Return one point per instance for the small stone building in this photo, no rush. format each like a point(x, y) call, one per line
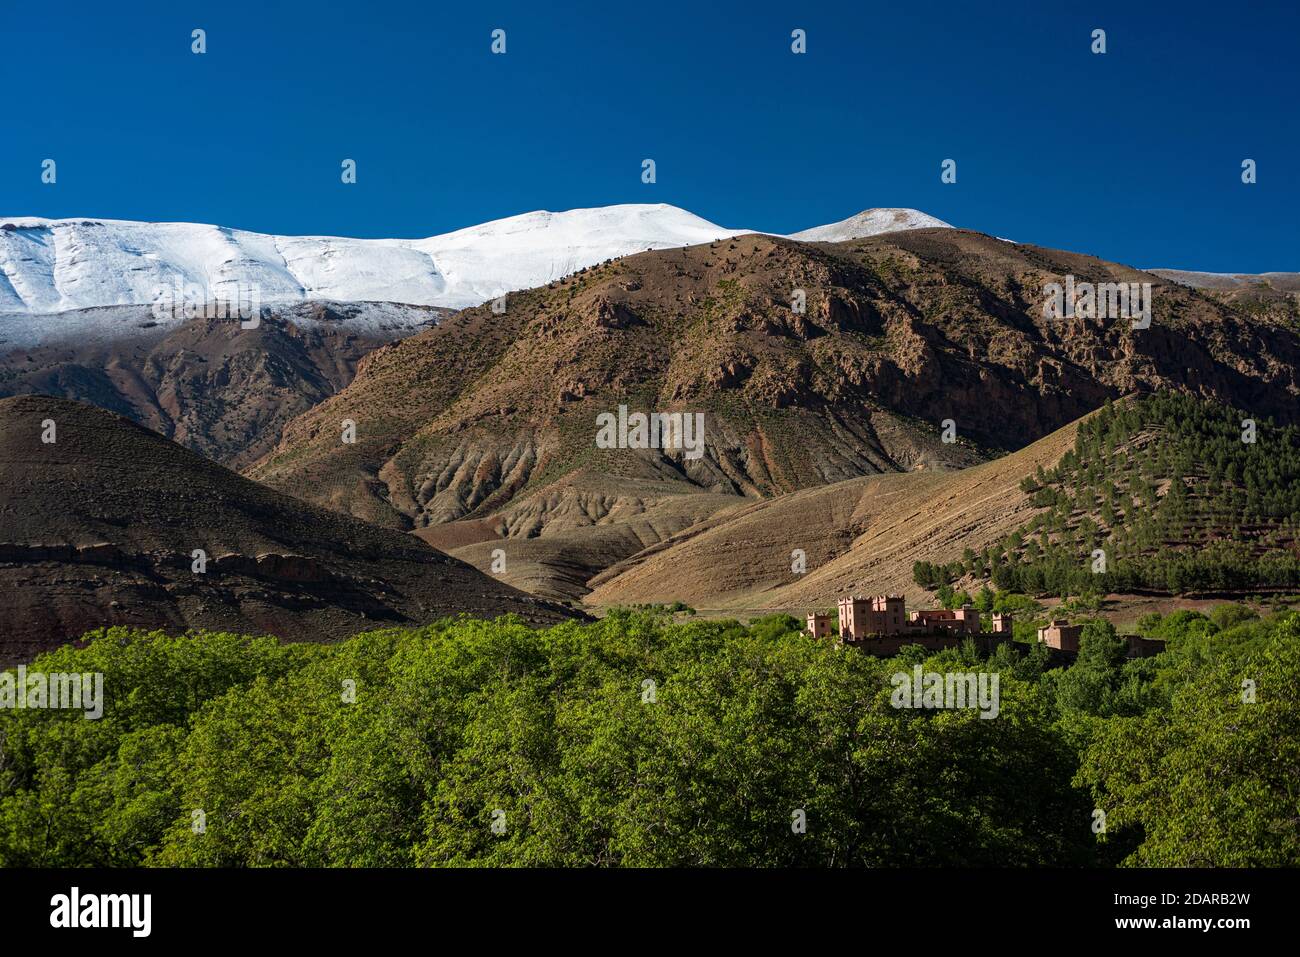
point(819, 626)
point(1061, 635)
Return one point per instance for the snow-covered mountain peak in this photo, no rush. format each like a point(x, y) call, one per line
point(50, 266)
point(870, 222)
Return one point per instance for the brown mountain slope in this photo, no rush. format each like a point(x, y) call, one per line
point(1272, 297)
point(553, 541)
point(484, 415)
point(1278, 281)
point(220, 390)
point(100, 526)
point(860, 536)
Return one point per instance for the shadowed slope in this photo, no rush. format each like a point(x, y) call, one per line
point(100, 527)
point(209, 384)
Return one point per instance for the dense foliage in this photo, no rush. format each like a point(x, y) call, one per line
point(1179, 494)
point(217, 749)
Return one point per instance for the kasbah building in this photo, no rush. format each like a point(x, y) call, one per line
point(881, 626)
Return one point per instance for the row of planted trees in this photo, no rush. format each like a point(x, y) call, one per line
point(1162, 493)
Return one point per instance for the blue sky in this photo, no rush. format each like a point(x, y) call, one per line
point(1134, 155)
